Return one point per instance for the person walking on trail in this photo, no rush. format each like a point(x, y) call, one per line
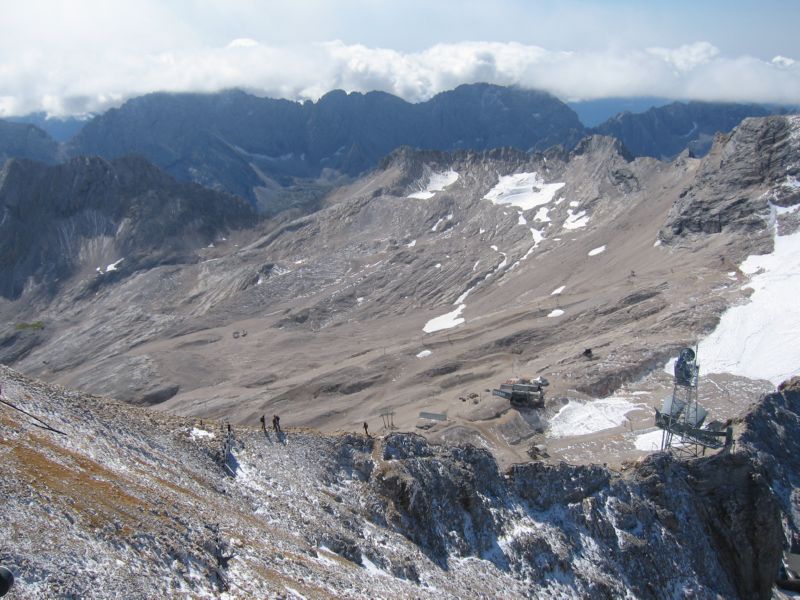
point(263, 423)
point(276, 423)
point(366, 429)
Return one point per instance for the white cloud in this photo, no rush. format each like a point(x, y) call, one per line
point(74, 78)
point(243, 43)
point(783, 61)
point(686, 57)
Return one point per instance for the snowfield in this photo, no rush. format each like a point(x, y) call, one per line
point(583, 418)
point(523, 190)
point(759, 339)
point(437, 183)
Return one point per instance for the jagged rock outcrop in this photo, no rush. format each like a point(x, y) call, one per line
point(755, 165)
point(717, 519)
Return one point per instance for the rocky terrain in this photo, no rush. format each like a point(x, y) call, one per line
point(122, 501)
point(423, 285)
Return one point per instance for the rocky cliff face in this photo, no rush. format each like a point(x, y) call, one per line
point(666, 131)
point(745, 172)
point(89, 213)
point(124, 501)
point(245, 145)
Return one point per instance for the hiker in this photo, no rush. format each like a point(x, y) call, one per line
point(264, 423)
point(366, 429)
point(276, 423)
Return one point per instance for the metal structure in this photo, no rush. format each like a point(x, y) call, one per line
point(523, 391)
point(681, 417)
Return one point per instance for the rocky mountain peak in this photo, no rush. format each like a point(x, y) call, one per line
point(603, 145)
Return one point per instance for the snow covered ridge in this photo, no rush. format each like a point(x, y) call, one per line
point(135, 500)
point(436, 183)
point(523, 190)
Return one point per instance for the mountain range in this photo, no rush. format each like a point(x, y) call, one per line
point(279, 154)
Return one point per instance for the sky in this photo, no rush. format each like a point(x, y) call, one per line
point(72, 57)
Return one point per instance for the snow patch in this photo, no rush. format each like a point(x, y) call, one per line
point(598, 250)
point(113, 266)
point(109, 268)
point(197, 434)
point(503, 262)
point(447, 321)
point(649, 441)
point(437, 183)
point(411, 244)
point(556, 312)
point(523, 190)
point(462, 297)
point(541, 215)
point(424, 354)
point(557, 291)
point(576, 220)
point(582, 418)
point(522, 220)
